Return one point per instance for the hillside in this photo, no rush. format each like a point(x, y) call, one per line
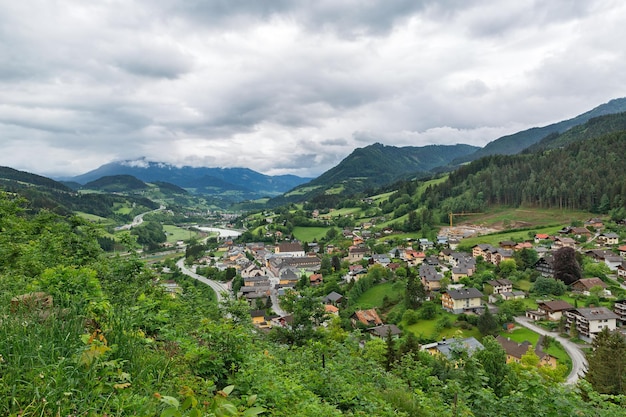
point(374, 166)
point(45, 193)
point(515, 143)
point(595, 127)
point(584, 175)
point(116, 183)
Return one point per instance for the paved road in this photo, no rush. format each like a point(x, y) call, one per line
point(219, 288)
point(579, 362)
point(138, 219)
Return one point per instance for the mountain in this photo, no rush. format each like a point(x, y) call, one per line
point(375, 166)
point(517, 142)
point(584, 174)
point(48, 194)
point(116, 183)
point(234, 184)
point(595, 127)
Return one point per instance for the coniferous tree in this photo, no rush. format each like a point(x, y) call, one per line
point(607, 363)
point(487, 323)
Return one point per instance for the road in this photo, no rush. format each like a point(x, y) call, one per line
point(138, 219)
point(579, 362)
point(218, 287)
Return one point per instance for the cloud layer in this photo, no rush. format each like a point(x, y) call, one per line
point(291, 87)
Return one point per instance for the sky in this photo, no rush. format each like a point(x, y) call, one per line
point(291, 87)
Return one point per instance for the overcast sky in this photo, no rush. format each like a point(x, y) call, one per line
point(284, 86)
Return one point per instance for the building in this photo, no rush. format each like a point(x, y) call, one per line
point(289, 249)
point(515, 351)
point(368, 318)
point(584, 285)
point(549, 310)
point(608, 238)
point(590, 321)
point(619, 308)
point(382, 331)
point(453, 347)
point(462, 300)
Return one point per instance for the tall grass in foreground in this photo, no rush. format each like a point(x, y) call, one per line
point(63, 365)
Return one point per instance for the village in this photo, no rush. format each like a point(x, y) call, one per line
point(455, 281)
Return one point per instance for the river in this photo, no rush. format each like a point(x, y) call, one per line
point(223, 233)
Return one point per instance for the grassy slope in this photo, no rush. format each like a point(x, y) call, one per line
point(308, 234)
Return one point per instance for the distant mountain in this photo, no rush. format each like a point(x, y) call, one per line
point(116, 183)
point(517, 142)
point(48, 194)
point(233, 183)
point(377, 165)
point(593, 128)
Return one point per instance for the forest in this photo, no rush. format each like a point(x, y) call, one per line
point(84, 334)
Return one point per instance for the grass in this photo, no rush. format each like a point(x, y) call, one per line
point(308, 234)
point(175, 233)
point(374, 296)
point(93, 217)
point(430, 329)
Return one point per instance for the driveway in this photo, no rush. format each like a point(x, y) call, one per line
point(579, 362)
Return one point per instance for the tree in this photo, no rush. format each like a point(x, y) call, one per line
point(607, 363)
point(487, 323)
point(428, 311)
point(566, 267)
point(335, 263)
point(493, 360)
point(390, 353)
point(415, 291)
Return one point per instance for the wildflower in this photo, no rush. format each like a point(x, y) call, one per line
point(41, 375)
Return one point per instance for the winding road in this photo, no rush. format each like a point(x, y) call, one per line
point(579, 362)
point(138, 219)
point(219, 288)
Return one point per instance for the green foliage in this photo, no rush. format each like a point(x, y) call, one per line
point(607, 363)
point(487, 323)
point(548, 286)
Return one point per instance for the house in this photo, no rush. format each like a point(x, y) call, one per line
point(595, 222)
point(368, 318)
point(259, 319)
point(451, 348)
point(563, 242)
point(510, 295)
point(613, 262)
point(619, 308)
point(430, 277)
point(288, 277)
point(608, 238)
point(331, 310)
point(382, 331)
point(621, 271)
point(507, 244)
point(584, 285)
point(580, 232)
point(461, 300)
point(622, 250)
point(515, 351)
point(499, 285)
point(357, 253)
point(289, 249)
point(541, 236)
point(483, 250)
point(316, 279)
point(590, 321)
point(333, 298)
point(171, 287)
point(549, 310)
point(545, 265)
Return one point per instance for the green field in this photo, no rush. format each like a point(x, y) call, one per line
point(374, 296)
point(93, 217)
point(175, 233)
point(429, 328)
point(308, 234)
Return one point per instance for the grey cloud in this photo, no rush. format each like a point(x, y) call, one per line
point(334, 142)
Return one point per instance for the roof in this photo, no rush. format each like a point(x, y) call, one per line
point(556, 305)
point(333, 296)
point(289, 247)
point(513, 348)
point(329, 308)
point(596, 313)
point(447, 347)
point(589, 283)
point(368, 317)
point(381, 331)
point(464, 293)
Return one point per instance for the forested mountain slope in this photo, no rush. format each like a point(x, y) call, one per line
point(585, 175)
point(517, 142)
